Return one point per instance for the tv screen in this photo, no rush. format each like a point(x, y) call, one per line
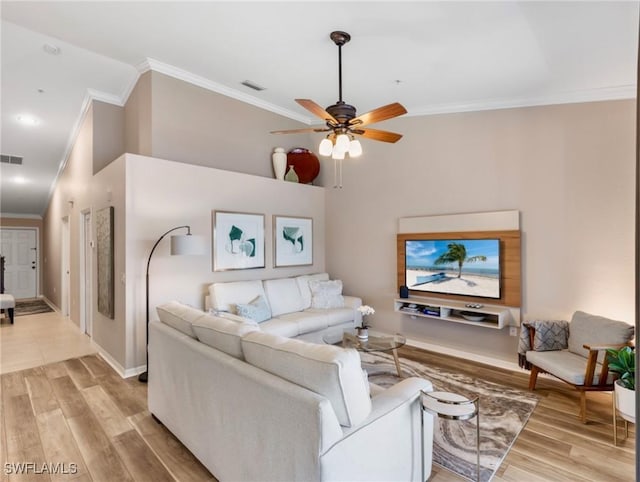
point(466, 267)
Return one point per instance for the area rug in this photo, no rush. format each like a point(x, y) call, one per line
point(504, 411)
point(31, 307)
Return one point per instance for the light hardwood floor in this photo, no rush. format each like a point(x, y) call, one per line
point(79, 411)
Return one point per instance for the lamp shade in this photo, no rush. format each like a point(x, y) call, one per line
point(187, 244)
point(342, 142)
point(325, 147)
point(355, 148)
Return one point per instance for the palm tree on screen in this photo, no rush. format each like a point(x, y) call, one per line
point(457, 253)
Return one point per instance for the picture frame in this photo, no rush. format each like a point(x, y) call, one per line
point(105, 261)
point(292, 241)
point(238, 240)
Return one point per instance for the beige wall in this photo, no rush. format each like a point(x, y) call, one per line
point(109, 132)
point(568, 169)
point(29, 223)
point(193, 125)
point(137, 112)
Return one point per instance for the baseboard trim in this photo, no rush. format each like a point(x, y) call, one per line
point(113, 363)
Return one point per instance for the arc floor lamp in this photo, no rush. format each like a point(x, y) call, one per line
point(183, 244)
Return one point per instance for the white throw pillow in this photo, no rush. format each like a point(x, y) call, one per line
point(331, 371)
point(326, 294)
point(257, 309)
point(303, 283)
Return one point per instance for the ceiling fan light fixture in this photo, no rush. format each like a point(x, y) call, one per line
point(337, 153)
point(326, 147)
point(342, 142)
point(355, 148)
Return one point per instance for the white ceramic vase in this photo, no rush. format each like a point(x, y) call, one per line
point(625, 402)
point(279, 159)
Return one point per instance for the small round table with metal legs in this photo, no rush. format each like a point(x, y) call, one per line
point(454, 407)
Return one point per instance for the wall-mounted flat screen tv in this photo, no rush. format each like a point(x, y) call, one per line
point(466, 267)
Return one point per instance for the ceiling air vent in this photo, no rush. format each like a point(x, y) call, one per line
point(252, 85)
point(11, 159)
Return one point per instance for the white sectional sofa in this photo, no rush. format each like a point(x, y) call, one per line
point(297, 306)
point(254, 406)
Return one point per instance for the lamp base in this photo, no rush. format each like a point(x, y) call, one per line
point(143, 377)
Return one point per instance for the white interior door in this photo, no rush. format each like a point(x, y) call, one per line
point(20, 249)
point(85, 273)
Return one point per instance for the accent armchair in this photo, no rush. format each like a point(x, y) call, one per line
point(580, 360)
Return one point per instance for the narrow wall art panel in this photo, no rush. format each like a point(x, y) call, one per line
point(293, 241)
point(104, 238)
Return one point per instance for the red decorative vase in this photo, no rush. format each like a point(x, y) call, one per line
point(305, 163)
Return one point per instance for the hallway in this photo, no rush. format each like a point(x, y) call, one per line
point(35, 340)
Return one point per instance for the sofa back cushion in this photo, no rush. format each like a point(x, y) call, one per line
point(221, 334)
point(225, 296)
point(586, 329)
point(179, 316)
point(283, 295)
point(328, 370)
point(303, 285)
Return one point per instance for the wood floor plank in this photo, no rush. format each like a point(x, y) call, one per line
point(3, 442)
point(179, 461)
point(55, 370)
point(23, 440)
point(69, 397)
point(96, 366)
point(98, 453)
point(41, 393)
point(139, 459)
point(13, 385)
point(79, 373)
point(108, 414)
point(59, 445)
point(131, 399)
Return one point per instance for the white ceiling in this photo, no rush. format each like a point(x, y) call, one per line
point(448, 57)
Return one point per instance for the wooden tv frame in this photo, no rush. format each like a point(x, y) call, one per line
point(510, 265)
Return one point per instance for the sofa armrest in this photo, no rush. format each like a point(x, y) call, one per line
point(354, 303)
point(388, 439)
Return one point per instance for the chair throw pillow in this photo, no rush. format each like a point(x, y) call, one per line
point(326, 294)
point(257, 309)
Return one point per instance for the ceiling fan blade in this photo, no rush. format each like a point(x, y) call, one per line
point(316, 110)
point(376, 135)
point(377, 115)
point(296, 131)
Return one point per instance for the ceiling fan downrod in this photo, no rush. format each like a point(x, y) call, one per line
point(340, 38)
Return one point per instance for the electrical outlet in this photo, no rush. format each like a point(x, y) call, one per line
point(513, 331)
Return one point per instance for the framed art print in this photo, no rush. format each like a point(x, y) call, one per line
point(238, 240)
point(105, 238)
point(293, 241)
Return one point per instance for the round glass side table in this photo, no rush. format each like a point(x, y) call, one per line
point(454, 407)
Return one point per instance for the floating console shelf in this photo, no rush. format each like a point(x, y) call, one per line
point(486, 316)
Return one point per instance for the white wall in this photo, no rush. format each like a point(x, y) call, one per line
point(164, 194)
point(568, 169)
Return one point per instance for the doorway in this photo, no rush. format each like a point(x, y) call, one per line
point(86, 318)
point(65, 258)
point(19, 246)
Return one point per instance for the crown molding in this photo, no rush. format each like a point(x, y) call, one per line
point(575, 97)
point(20, 216)
point(177, 73)
point(105, 97)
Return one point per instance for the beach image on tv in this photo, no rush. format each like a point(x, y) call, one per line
point(468, 267)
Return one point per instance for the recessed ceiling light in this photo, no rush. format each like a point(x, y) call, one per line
point(19, 180)
point(28, 120)
point(51, 49)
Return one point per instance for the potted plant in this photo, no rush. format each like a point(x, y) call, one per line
point(362, 331)
point(623, 362)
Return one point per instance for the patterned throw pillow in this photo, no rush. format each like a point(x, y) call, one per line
point(257, 309)
point(326, 294)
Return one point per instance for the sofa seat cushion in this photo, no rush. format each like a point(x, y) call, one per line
point(179, 316)
point(283, 295)
point(335, 316)
point(222, 334)
point(303, 285)
point(278, 326)
point(586, 329)
point(564, 365)
point(333, 372)
point(307, 321)
point(225, 296)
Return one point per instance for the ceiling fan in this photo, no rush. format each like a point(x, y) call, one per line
point(341, 120)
